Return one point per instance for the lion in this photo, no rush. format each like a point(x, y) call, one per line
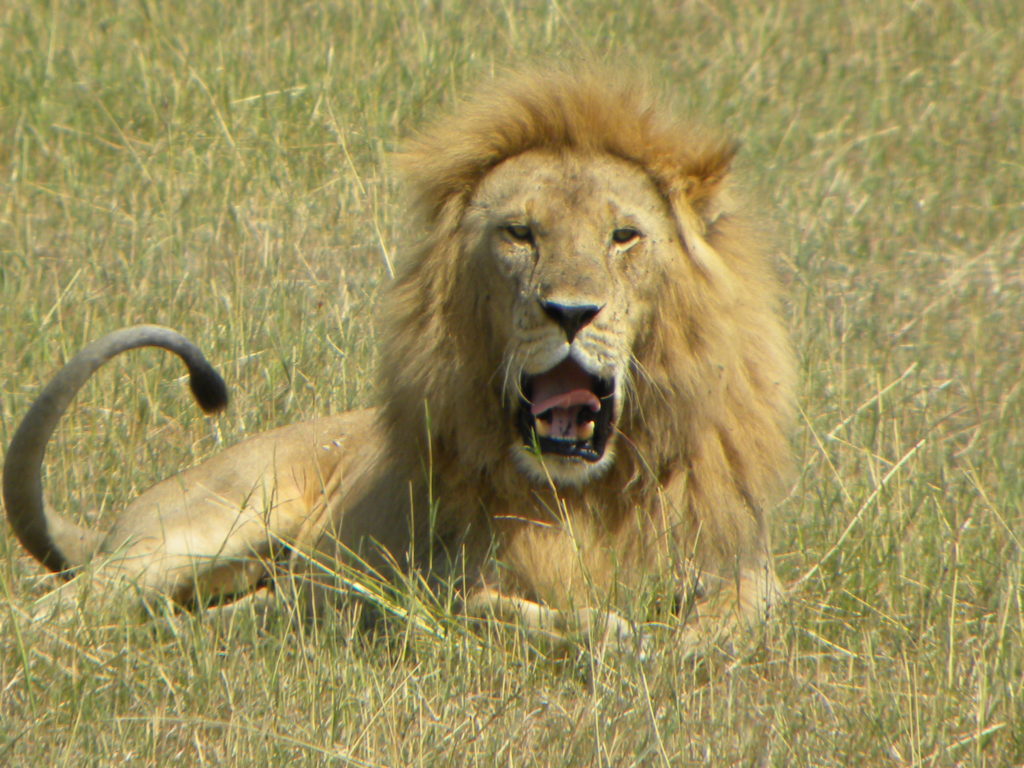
point(585, 388)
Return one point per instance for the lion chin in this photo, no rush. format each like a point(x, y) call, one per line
point(585, 390)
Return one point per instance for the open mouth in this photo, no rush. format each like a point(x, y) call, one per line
point(567, 411)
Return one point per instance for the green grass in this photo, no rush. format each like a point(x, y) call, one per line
point(222, 168)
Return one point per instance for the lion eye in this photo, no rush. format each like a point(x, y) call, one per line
point(520, 233)
point(624, 235)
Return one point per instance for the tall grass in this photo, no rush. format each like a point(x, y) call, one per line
point(222, 168)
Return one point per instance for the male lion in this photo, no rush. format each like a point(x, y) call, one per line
point(585, 388)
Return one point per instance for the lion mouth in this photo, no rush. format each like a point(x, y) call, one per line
point(567, 411)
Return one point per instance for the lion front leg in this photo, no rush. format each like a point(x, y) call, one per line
point(720, 607)
point(560, 629)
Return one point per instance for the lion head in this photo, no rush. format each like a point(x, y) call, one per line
point(588, 306)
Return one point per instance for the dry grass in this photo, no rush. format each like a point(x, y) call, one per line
point(222, 169)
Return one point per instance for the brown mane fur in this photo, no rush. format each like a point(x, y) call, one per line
point(704, 425)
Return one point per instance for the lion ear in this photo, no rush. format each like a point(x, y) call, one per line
point(699, 196)
point(704, 182)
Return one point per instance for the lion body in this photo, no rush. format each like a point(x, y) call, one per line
point(584, 379)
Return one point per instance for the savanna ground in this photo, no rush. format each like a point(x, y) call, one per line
point(222, 168)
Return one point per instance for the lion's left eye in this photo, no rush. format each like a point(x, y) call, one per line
point(624, 235)
point(520, 233)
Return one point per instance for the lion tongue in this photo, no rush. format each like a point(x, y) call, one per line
point(566, 401)
point(564, 391)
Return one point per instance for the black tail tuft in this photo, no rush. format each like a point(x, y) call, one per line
point(208, 387)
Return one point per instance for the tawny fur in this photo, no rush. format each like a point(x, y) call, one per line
point(700, 447)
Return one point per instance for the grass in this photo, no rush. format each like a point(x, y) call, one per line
point(223, 169)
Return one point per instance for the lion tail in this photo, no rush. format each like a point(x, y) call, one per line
point(53, 540)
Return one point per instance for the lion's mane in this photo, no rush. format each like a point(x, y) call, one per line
point(711, 394)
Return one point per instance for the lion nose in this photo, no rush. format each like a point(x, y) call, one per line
point(571, 317)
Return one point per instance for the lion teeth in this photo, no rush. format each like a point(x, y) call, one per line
point(585, 431)
point(543, 428)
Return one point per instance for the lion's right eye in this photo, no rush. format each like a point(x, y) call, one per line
point(520, 233)
point(625, 235)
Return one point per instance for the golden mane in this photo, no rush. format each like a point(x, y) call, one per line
point(590, 111)
point(712, 384)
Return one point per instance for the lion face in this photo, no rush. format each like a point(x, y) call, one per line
point(572, 248)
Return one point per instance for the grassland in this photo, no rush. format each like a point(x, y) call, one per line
point(222, 168)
